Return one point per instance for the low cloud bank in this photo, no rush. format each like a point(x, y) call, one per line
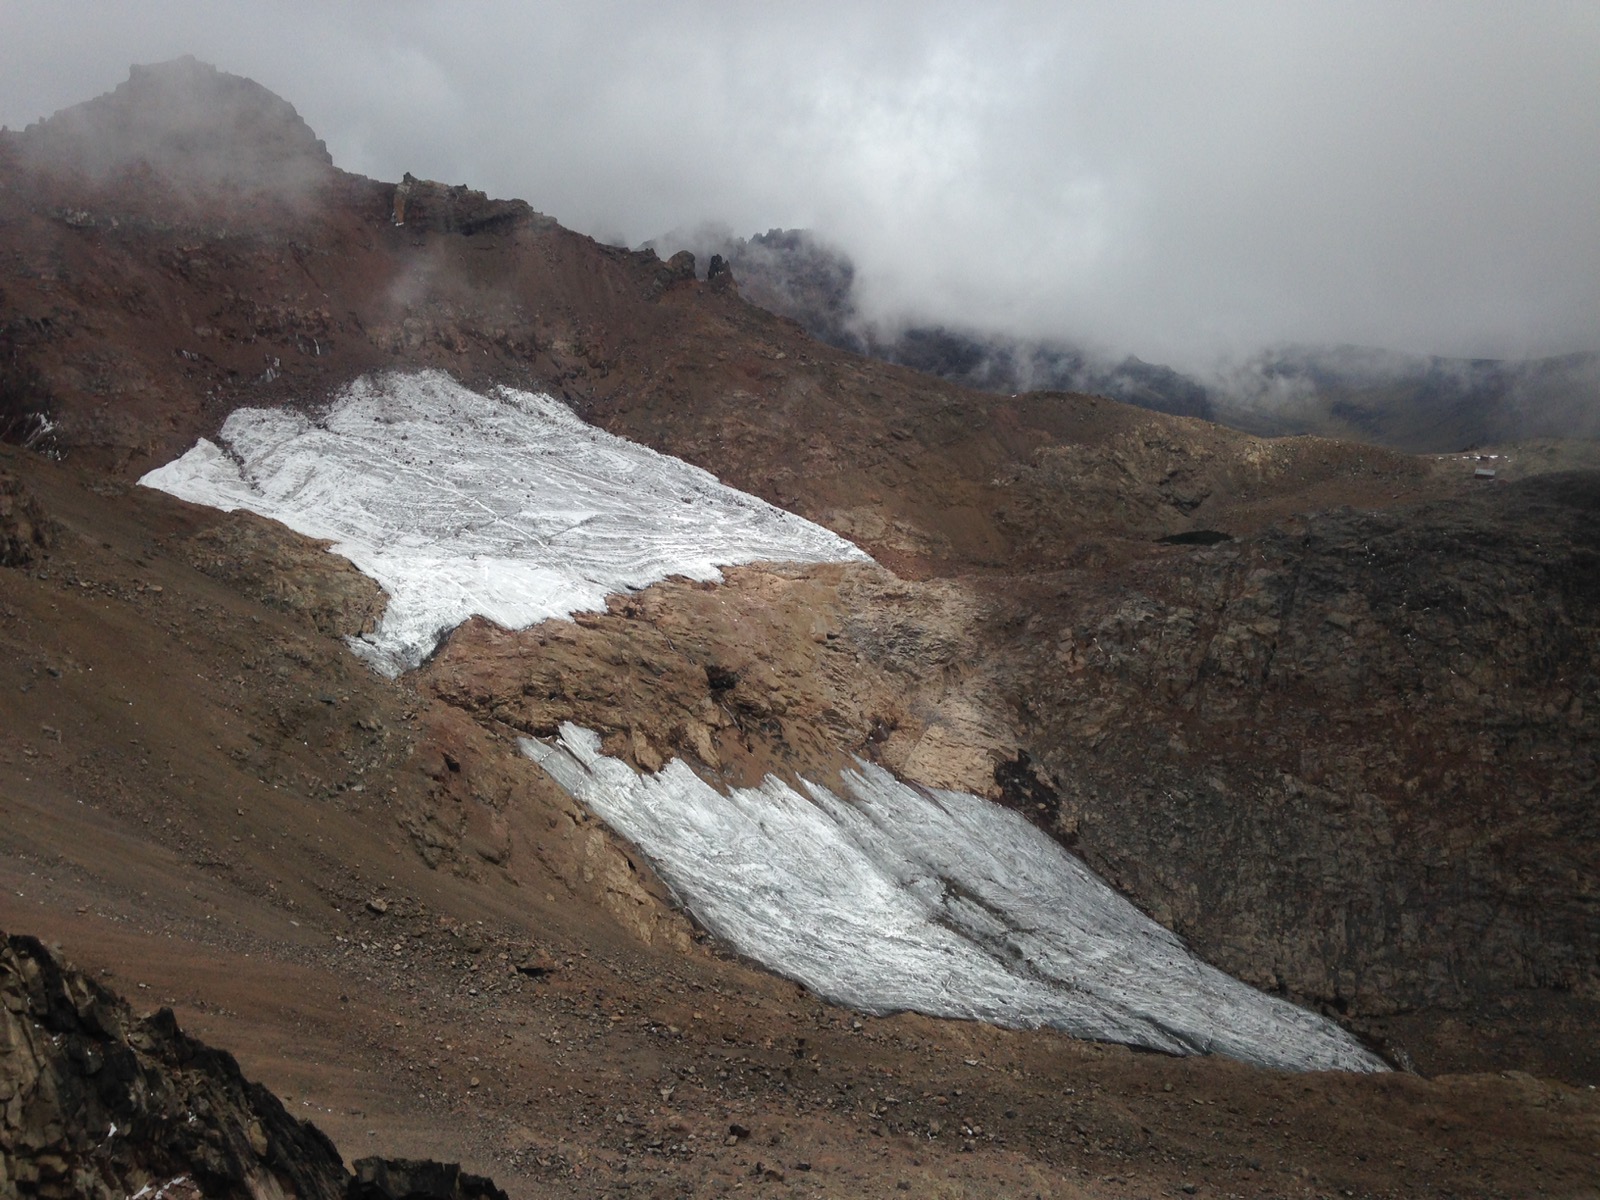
point(1176, 182)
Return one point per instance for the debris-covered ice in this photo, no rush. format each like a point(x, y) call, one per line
point(892, 897)
point(505, 506)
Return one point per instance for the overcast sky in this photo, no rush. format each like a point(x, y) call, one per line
point(1172, 179)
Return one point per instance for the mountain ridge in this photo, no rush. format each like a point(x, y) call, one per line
point(1410, 402)
point(1155, 637)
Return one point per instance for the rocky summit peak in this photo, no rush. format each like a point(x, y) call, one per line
point(188, 122)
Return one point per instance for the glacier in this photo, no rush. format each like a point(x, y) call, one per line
point(891, 897)
point(883, 896)
point(503, 505)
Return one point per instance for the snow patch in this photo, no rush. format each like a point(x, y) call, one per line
point(505, 506)
point(893, 897)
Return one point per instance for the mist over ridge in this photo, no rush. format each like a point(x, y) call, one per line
point(198, 126)
point(1175, 183)
point(1415, 402)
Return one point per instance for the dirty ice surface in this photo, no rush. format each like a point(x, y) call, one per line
point(503, 505)
point(891, 897)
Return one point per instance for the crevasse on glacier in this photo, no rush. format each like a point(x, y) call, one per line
point(505, 506)
point(892, 897)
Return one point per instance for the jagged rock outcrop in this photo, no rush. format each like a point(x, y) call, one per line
point(96, 1104)
point(719, 272)
point(425, 204)
point(676, 270)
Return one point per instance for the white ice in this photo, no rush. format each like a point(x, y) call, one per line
point(894, 898)
point(505, 506)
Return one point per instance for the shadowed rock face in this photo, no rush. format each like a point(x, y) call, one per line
point(99, 1103)
point(425, 204)
point(1355, 758)
point(418, 1179)
point(95, 1102)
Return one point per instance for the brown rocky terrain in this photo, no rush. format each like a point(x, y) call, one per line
point(1347, 753)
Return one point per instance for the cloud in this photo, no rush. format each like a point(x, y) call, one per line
point(1172, 179)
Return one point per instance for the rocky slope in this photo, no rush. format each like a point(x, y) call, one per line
point(1354, 756)
point(429, 950)
point(1325, 710)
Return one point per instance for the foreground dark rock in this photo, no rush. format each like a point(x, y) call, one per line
point(418, 1179)
point(96, 1102)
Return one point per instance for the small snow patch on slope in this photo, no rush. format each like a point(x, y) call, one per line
point(505, 506)
point(893, 897)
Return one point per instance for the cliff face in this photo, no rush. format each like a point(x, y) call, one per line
point(1353, 757)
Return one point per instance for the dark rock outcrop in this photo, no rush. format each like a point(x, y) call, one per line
point(97, 1103)
point(424, 204)
point(719, 272)
point(676, 270)
point(414, 1179)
